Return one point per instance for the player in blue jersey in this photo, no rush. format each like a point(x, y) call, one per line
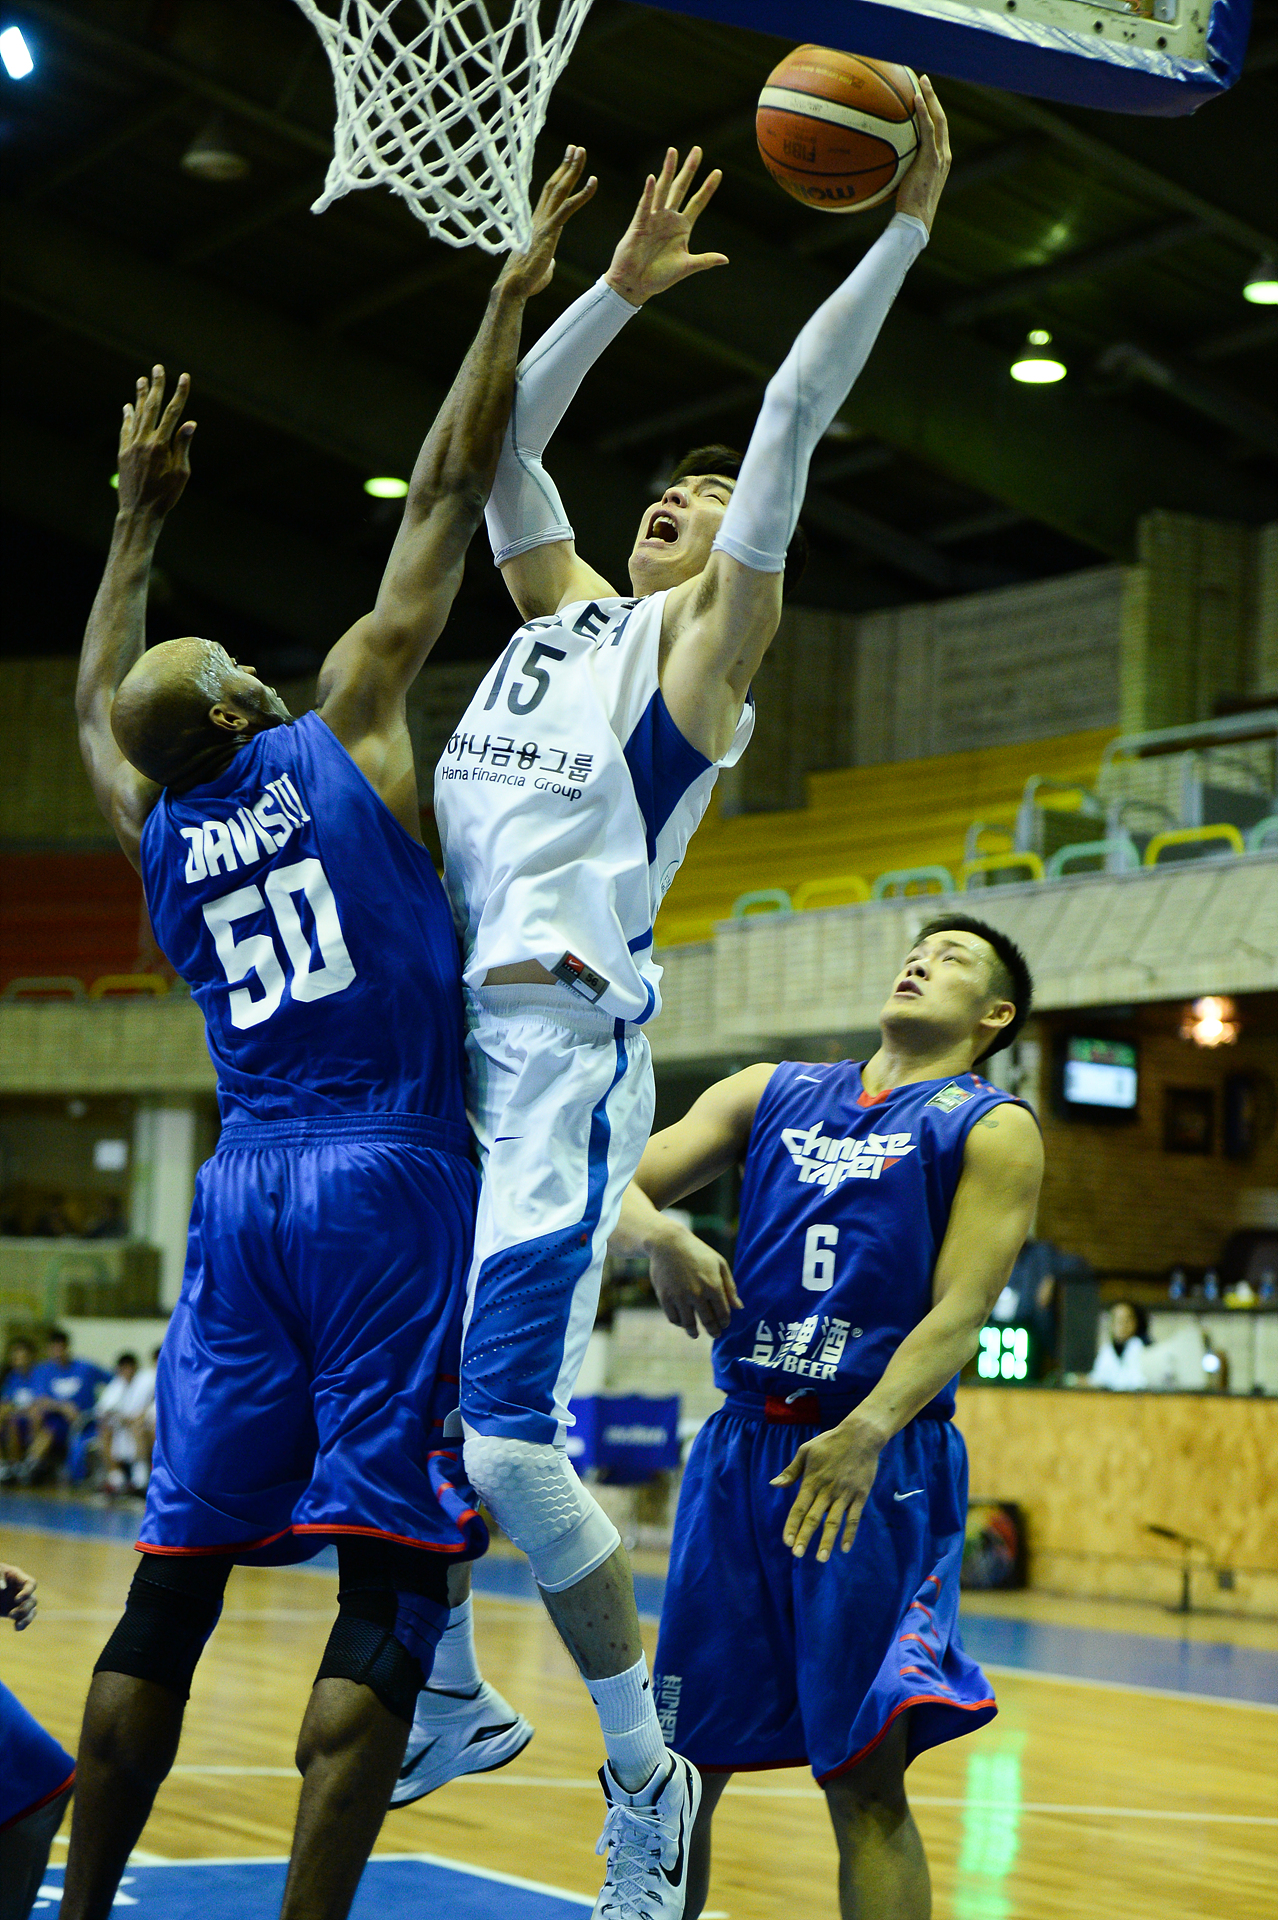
point(312, 1361)
point(882, 1207)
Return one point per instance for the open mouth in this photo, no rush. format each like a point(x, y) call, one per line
point(663, 526)
point(911, 987)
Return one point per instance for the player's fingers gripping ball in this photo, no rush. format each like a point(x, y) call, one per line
point(835, 130)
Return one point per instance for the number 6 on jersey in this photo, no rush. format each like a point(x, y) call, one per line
point(818, 1258)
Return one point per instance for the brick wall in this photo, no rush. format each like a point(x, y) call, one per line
point(986, 670)
point(1113, 1194)
point(1202, 621)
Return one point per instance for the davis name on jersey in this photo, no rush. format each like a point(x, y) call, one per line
point(565, 801)
point(828, 1163)
point(257, 827)
point(846, 1196)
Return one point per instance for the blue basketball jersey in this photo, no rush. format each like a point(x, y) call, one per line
point(844, 1205)
point(314, 933)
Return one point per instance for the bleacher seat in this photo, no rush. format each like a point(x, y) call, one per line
point(869, 821)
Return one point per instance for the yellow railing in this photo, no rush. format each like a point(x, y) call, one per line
point(1193, 836)
point(850, 884)
point(128, 983)
point(997, 863)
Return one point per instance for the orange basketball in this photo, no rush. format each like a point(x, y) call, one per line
point(836, 130)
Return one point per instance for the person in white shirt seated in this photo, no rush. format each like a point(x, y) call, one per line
point(123, 1402)
point(1120, 1362)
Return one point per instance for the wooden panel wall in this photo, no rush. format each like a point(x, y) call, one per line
point(1091, 1470)
point(1114, 1195)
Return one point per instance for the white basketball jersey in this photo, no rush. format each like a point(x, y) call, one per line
point(565, 802)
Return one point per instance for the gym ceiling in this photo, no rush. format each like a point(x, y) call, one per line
point(319, 347)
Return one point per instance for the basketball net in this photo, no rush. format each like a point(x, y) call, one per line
point(442, 101)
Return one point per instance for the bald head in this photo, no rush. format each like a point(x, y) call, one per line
point(185, 708)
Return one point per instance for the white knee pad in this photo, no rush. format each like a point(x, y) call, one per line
point(537, 1499)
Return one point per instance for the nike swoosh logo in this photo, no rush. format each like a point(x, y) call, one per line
point(907, 1496)
point(813, 1077)
point(506, 1136)
point(676, 1877)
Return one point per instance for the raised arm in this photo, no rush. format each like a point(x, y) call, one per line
point(532, 537)
point(155, 465)
point(717, 627)
point(692, 1281)
point(365, 679)
point(993, 1211)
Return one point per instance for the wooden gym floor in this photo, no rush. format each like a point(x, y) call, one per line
point(1097, 1799)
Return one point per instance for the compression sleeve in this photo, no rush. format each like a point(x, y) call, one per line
point(804, 395)
point(524, 508)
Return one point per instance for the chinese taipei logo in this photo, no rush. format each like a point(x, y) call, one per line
point(823, 1162)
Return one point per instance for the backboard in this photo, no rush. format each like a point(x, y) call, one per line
point(1130, 56)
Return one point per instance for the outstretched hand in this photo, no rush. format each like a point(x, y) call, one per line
point(155, 452)
point(921, 188)
point(527, 273)
point(652, 253)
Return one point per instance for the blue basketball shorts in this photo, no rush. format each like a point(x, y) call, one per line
point(768, 1661)
point(34, 1769)
point(561, 1100)
point(314, 1355)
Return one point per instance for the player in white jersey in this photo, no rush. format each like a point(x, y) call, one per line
point(565, 802)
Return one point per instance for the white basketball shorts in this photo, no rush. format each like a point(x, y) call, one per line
point(561, 1100)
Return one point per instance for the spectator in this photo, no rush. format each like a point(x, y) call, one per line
point(1120, 1361)
point(123, 1401)
point(144, 1420)
point(18, 1393)
point(65, 1391)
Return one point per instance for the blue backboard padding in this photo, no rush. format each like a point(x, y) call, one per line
point(1003, 50)
point(251, 1889)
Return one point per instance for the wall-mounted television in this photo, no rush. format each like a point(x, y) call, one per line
point(1097, 1079)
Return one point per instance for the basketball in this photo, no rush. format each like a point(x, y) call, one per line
point(836, 130)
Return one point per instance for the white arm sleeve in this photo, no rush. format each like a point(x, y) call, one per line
point(524, 509)
point(804, 395)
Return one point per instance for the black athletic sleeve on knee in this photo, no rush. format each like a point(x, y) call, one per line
point(373, 1642)
point(172, 1608)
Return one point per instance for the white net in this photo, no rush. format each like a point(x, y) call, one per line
point(443, 103)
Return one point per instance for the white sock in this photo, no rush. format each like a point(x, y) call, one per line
point(631, 1730)
point(455, 1669)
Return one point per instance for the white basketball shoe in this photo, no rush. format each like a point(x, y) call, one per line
point(647, 1836)
point(453, 1735)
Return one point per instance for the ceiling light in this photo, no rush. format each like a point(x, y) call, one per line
point(1211, 1022)
point(1033, 366)
point(15, 54)
point(115, 481)
point(211, 155)
point(385, 487)
point(1261, 286)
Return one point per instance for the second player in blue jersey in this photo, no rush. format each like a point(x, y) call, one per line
point(882, 1206)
